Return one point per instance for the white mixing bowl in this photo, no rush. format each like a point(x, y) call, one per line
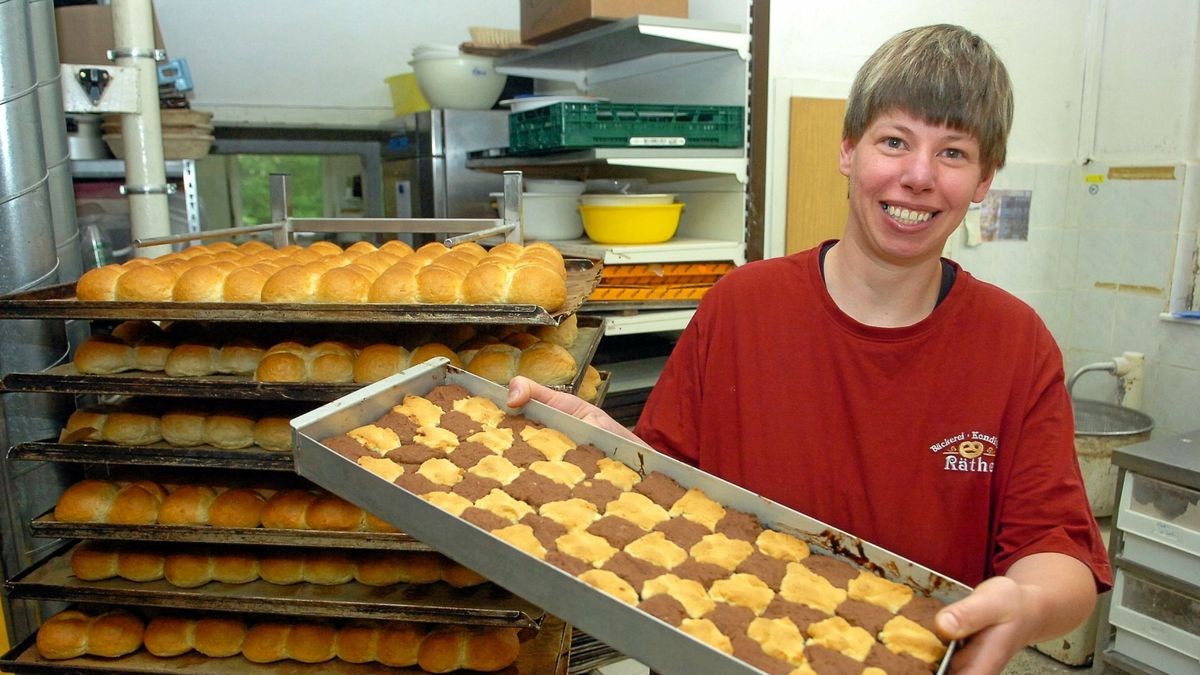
point(549, 215)
point(465, 81)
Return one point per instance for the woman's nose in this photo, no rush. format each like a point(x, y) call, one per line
point(919, 172)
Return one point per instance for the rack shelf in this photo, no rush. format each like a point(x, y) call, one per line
point(638, 44)
point(699, 160)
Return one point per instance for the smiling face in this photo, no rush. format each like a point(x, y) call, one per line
point(910, 185)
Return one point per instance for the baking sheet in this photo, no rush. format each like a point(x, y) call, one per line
point(157, 454)
point(627, 629)
point(66, 379)
point(547, 653)
point(46, 526)
point(58, 302)
point(482, 605)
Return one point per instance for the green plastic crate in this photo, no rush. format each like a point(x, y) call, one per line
point(574, 125)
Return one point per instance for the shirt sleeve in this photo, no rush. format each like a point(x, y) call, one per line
point(1045, 506)
point(669, 419)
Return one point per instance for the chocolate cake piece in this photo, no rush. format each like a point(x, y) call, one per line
point(747, 649)
point(416, 483)
point(660, 489)
point(731, 619)
point(400, 423)
point(837, 572)
point(664, 607)
point(585, 457)
point(523, 454)
point(517, 423)
point(683, 532)
point(771, 570)
point(739, 525)
point(347, 447)
point(801, 615)
point(826, 661)
point(414, 453)
point(864, 615)
point(567, 563)
point(896, 664)
point(468, 454)
point(536, 490)
point(544, 529)
point(616, 530)
point(634, 570)
point(474, 486)
point(444, 396)
point(459, 424)
point(597, 491)
point(484, 519)
point(922, 609)
point(705, 573)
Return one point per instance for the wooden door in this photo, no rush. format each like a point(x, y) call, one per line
point(816, 196)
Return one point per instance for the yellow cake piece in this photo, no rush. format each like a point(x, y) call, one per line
point(806, 587)
point(422, 411)
point(497, 440)
point(573, 514)
point(504, 505)
point(552, 443)
point(480, 409)
point(617, 473)
point(382, 467)
point(779, 638)
point(698, 508)
point(496, 468)
point(586, 546)
point(436, 437)
point(689, 592)
point(781, 546)
point(522, 537)
point(837, 634)
point(441, 471)
point(717, 549)
point(905, 636)
point(743, 590)
point(657, 549)
point(637, 509)
point(448, 501)
point(563, 473)
point(610, 583)
point(876, 590)
point(376, 439)
point(707, 632)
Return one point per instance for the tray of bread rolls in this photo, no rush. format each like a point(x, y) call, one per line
point(363, 283)
point(103, 639)
point(667, 564)
point(304, 363)
point(212, 513)
point(297, 582)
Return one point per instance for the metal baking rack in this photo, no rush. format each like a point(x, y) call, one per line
point(483, 605)
point(157, 454)
point(547, 653)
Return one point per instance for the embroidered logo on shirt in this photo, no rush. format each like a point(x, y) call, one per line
point(968, 451)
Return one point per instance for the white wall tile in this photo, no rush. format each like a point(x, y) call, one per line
point(1092, 316)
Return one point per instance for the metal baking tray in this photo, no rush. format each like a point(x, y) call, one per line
point(482, 605)
point(547, 653)
point(66, 379)
point(655, 643)
point(158, 454)
point(46, 526)
point(58, 302)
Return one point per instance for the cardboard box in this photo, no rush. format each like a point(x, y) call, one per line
point(545, 20)
point(85, 34)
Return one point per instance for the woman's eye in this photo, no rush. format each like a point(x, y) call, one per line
point(893, 142)
point(954, 153)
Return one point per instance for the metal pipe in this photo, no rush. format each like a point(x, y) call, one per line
point(1107, 366)
point(145, 172)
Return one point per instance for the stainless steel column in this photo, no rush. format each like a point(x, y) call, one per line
point(27, 261)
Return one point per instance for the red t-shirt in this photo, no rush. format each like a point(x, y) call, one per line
point(949, 442)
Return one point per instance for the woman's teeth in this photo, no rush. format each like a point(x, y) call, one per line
point(907, 216)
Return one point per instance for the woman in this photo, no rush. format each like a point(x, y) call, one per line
point(873, 385)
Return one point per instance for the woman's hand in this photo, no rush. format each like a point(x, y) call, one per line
point(522, 390)
point(1042, 596)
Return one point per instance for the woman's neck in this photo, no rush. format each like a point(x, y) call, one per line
point(877, 294)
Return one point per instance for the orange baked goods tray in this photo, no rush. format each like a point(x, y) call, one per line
point(658, 281)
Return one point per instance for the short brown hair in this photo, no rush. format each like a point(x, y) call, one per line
point(943, 74)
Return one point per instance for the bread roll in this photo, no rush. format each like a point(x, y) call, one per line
point(239, 357)
point(131, 428)
point(287, 510)
point(72, 633)
point(273, 434)
point(266, 642)
point(170, 636)
point(202, 283)
point(495, 362)
point(88, 501)
point(93, 561)
point(99, 284)
point(218, 637)
point(348, 285)
point(139, 565)
point(182, 428)
point(191, 360)
point(101, 355)
point(187, 505)
point(589, 387)
point(378, 361)
point(146, 283)
point(188, 570)
point(547, 363)
point(237, 507)
point(229, 430)
point(84, 425)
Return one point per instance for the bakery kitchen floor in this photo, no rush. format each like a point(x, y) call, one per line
point(1028, 662)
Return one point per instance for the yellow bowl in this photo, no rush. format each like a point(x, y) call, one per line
point(645, 224)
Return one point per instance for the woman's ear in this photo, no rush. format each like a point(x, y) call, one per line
point(846, 156)
point(985, 184)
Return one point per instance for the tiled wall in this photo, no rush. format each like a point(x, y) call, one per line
point(1098, 268)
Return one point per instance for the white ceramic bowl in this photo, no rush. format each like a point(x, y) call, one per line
point(549, 215)
point(627, 200)
point(465, 82)
point(554, 185)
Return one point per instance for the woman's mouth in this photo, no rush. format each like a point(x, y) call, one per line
point(906, 216)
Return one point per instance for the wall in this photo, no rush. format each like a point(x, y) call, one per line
point(311, 61)
point(1107, 81)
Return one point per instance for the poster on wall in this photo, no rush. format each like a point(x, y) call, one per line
point(1004, 215)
